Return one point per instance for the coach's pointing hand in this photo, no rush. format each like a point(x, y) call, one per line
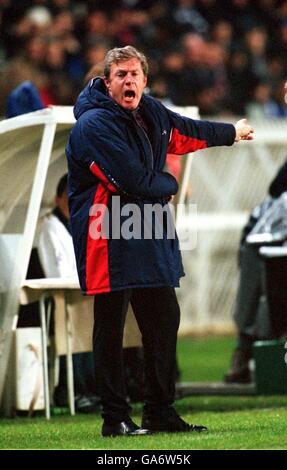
point(243, 130)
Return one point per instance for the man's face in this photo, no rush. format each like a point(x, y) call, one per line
point(126, 83)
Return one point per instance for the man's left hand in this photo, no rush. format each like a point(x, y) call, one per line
point(243, 130)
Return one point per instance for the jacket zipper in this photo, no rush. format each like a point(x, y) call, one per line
point(146, 136)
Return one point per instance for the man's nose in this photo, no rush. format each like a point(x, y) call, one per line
point(128, 78)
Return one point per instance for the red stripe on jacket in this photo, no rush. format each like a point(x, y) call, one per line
point(97, 259)
point(181, 144)
point(95, 169)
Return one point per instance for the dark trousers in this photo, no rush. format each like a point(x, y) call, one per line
point(157, 314)
point(251, 312)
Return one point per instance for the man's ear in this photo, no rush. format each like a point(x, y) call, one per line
point(107, 82)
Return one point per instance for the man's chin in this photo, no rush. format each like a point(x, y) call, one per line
point(131, 106)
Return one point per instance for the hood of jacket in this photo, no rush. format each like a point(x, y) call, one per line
point(95, 95)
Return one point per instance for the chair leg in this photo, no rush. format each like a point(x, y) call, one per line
point(45, 357)
point(69, 358)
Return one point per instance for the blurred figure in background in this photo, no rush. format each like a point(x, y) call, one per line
point(262, 105)
point(268, 101)
point(252, 316)
point(25, 98)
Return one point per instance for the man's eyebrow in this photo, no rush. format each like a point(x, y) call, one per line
point(124, 70)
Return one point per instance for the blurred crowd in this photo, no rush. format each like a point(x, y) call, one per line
point(224, 56)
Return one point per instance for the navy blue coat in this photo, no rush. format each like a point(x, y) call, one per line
point(110, 155)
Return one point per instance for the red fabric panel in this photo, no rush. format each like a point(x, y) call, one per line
point(173, 163)
point(102, 177)
point(181, 144)
point(97, 261)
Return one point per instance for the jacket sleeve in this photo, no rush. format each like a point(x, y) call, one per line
point(189, 135)
point(111, 159)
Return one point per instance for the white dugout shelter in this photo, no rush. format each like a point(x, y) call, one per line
point(32, 158)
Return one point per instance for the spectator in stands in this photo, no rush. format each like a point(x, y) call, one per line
point(262, 105)
point(118, 147)
point(57, 258)
point(188, 17)
point(280, 96)
point(251, 314)
point(256, 48)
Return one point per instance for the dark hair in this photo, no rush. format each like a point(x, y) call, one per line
point(119, 54)
point(62, 185)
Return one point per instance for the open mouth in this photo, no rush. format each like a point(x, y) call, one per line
point(129, 94)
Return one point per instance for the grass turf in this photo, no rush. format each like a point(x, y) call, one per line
point(234, 422)
point(204, 359)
